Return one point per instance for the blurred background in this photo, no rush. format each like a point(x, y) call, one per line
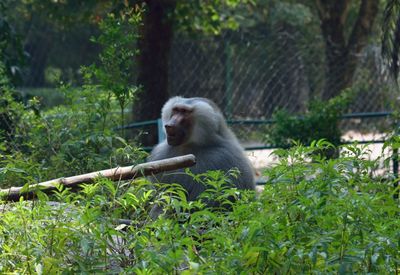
point(255, 59)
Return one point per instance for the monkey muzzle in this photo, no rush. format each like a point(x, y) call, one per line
point(175, 135)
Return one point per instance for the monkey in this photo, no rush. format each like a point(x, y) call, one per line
point(197, 126)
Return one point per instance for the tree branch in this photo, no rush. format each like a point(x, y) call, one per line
point(114, 174)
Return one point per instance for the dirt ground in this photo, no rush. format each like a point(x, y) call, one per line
point(264, 158)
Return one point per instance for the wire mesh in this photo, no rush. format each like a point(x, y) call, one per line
point(249, 74)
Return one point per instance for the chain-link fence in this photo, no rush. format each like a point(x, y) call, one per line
point(249, 74)
point(252, 75)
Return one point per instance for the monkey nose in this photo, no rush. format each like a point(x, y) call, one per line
point(170, 130)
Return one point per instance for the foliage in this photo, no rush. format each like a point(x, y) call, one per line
point(12, 54)
point(77, 137)
point(290, 13)
point(320, 122)
point(115, 71)
point(326, 216)
point(56, 37)
point(210, 17)
point(8, 106)
point(48, 97)
point(66, 140)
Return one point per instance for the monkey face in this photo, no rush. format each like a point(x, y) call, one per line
point(192, 121)
point(179, 125)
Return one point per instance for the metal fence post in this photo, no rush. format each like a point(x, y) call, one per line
point(160, 130)
point(228, 79)
point(395, 159)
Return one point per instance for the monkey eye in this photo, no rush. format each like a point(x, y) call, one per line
point(182, 110)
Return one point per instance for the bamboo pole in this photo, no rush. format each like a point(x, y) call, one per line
point(114, 174)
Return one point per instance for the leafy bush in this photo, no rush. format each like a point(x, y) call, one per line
point(115, 72)
point(323, 216)
point(326, 216)
point(78, 136)
point(320, 122)
point(12, 54)
point(67, 140)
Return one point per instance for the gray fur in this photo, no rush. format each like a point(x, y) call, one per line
point(213, 144)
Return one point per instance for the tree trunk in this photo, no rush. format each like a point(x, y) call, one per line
point(342, 53)
point(154, 45)
point(38, 50)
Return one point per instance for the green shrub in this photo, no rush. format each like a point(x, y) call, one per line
point(115, 73)
point(12, 54)
point(66, 140)
point(326, 216)
point(319, 122)
point(76, 137)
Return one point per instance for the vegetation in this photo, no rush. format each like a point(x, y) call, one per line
point(321, 121)
point(12, 54)
point(314, 215)
point(76, 137)
point(66, 140)
point(114, 73)
point(324, 216)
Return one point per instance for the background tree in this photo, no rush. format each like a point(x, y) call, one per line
point(154, 46)
point(12, 53)
point(161, 19)
point(391, 36)
point(342, 49)
point(57, 36)
point(345, 27)
point(12, 60)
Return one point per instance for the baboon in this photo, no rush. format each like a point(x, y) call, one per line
point(197, 126)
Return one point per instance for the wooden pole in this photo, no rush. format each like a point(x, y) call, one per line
point(114, 174)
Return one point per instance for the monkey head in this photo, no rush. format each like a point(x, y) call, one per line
point(178, 127)
point(190, 121)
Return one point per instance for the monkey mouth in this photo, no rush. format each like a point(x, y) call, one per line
point(175, 139)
